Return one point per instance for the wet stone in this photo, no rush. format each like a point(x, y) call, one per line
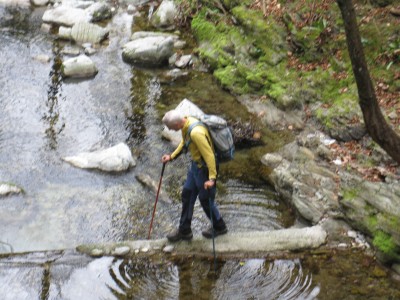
point(168, 249)
point(121, 251)
point(96, 252)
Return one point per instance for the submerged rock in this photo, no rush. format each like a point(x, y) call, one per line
point(117, 158)
point(147, 181)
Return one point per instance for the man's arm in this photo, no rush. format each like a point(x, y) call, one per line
point(206, 152)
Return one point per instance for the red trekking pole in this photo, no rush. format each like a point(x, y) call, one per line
point(155, 204)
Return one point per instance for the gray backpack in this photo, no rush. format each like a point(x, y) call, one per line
point(220, 133)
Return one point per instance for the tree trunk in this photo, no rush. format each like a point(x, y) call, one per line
point(374, 121)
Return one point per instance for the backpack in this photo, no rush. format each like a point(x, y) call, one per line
point(220, 133)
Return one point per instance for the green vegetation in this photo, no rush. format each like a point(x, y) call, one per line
point(384, 242)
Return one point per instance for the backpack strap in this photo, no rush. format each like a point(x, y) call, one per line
point(188, 139)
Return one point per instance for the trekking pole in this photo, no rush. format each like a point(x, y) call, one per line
point(155, 204)
point(213, 234)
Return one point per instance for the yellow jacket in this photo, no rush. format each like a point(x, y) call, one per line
point(201, 146)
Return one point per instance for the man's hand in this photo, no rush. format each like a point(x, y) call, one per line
point(166, 158)
point(209, 184)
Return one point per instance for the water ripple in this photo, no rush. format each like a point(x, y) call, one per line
point(194, 279)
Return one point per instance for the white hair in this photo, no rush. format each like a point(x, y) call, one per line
point(172, 117)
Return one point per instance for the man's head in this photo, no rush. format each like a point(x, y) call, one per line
point(174, 120)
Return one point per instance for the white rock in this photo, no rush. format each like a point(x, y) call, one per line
point(183, 61)
point(65, 15)
point(6, 189)
point(352, 234)
point(168, 248)
point(165, 14)
point(121, 251)
point(117, 158)
point(79, 67)
point(152, 50)
point(40, 2)
point(96, 252)
point(42, 58)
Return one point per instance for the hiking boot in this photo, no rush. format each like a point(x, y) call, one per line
point(209, 232)
point(177, 235)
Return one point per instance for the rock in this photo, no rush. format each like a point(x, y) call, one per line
point(151, 51)
point(117, 158)
point(183, 61)
point(40, 2)
point(79, 67)
point(241, 242)
point(71, 50)
point(121, 251)
point(64, 33)
point(168, 248)
point(85, 32)
point(165, 14)
point(70, 13)
point(97, 253)
point(65, 16)
point(99, 11)
point(7, 188)
point(144, 34)
point(19, 3)
point(271, 160)
point(43, 58)
point(153, 185)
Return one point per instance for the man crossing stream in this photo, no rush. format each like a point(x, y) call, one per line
point(201, 177)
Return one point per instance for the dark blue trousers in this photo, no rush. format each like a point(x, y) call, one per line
point(193, 187)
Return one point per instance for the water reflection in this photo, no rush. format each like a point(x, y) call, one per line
point(52, 115)
point(145, 90)
point(196, 279)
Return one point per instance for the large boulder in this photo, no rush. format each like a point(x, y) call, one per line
point(151, 51)
point(114, 159)
point(79, 67)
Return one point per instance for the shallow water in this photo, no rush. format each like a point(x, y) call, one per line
point(44, 118)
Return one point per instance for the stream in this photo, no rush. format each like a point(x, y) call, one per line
point(44, 118)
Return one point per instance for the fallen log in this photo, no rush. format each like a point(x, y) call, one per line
point(253, 242)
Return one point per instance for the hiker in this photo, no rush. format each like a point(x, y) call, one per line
point(201, 177)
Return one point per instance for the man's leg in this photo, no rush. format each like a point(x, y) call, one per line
point(207, 198)
point(189, 195)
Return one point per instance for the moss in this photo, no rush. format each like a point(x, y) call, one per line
point(202, 29)
point(384, 242)
point(228, 78)
point(350, 194)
